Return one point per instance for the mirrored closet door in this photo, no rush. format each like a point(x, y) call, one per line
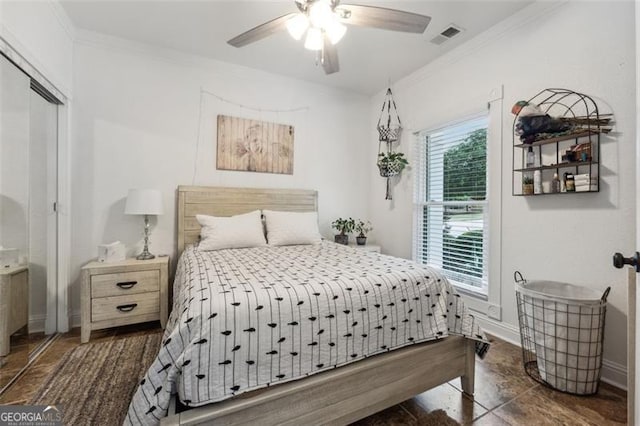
point(28, 159)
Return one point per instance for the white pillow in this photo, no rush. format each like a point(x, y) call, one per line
point(243, 230)
point(288, 228)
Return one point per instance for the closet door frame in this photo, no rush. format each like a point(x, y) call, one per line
point(60, 285)
point(63, 207)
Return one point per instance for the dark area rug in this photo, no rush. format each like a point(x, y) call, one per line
point(95, 382)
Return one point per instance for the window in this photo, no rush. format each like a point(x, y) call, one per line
point(451, 203)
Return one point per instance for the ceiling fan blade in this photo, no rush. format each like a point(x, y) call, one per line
point(330, 61)
point(261, 31)
point(383, 18)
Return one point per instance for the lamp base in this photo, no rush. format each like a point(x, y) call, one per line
point(145, 256)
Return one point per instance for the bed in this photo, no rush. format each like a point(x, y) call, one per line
point(329, 316)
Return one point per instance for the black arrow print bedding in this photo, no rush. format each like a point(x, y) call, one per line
point(244, 319)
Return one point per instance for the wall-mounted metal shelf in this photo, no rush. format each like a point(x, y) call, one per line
point(585, 127)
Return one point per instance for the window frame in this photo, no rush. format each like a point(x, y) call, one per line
point(488, 305)
point(421, 203)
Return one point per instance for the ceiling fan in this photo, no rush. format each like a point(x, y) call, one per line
point(323, 22)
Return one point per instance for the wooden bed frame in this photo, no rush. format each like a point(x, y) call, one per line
point(338, 396)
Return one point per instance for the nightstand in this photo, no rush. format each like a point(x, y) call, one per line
point(120, 293)
point(14, 298)
point(366, 247)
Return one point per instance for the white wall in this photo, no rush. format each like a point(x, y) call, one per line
point(42, 33)
point(136, 122)
point(583, 46)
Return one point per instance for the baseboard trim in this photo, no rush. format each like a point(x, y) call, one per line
point(36, 323)
point(74, 320)
point(612, 373)
point(500, 329)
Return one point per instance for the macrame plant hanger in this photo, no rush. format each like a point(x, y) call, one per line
point(389, 128)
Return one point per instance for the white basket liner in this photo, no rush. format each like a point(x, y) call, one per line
point(561, 292)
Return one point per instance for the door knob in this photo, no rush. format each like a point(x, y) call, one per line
point(619, 261)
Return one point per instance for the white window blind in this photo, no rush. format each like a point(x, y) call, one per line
point(451, 202)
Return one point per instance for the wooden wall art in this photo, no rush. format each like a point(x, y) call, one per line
point(254, 146)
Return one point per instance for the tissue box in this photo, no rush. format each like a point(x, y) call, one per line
point(9, 257)
point(113, 252)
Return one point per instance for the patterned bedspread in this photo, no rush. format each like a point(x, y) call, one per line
point(244, 319)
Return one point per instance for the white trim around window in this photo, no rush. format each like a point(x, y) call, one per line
point(485, 291)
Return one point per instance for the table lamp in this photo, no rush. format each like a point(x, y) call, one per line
point(144, 202)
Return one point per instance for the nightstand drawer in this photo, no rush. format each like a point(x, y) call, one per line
point(115, 307)
point(124, 283)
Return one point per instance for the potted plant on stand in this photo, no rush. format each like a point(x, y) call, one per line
point(345, 227)
point(362, 228)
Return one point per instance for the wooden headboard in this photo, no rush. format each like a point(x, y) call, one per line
point(223, 201)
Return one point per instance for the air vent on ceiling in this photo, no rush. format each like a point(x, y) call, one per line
point(450, 32)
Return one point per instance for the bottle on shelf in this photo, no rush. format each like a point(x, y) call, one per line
point(555, 183)
point(537, 182)
point(531, 158)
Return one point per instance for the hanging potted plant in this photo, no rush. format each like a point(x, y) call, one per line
point(345, 227)
point(391, 163)
point(362, 228)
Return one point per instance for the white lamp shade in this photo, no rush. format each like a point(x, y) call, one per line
point(144, 201)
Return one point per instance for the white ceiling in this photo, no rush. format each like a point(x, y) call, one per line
point(369, 58)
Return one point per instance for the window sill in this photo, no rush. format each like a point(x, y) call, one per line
point(474, 300)
point(469, 291)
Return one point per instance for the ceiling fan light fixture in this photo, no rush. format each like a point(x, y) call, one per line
point(314, 40)
point(320, 14)
point(297, 26)
point(335, 31)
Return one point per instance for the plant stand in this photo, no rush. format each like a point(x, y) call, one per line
point(389, 131)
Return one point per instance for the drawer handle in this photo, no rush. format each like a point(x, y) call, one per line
point(127, 308)
point(126, 285)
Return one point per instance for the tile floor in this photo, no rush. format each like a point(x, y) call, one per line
point(22, 345)
point(504, 395)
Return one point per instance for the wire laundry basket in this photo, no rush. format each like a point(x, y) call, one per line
point(562, 334)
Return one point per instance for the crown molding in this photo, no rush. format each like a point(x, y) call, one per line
point(63, 19)
point(505, 28)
